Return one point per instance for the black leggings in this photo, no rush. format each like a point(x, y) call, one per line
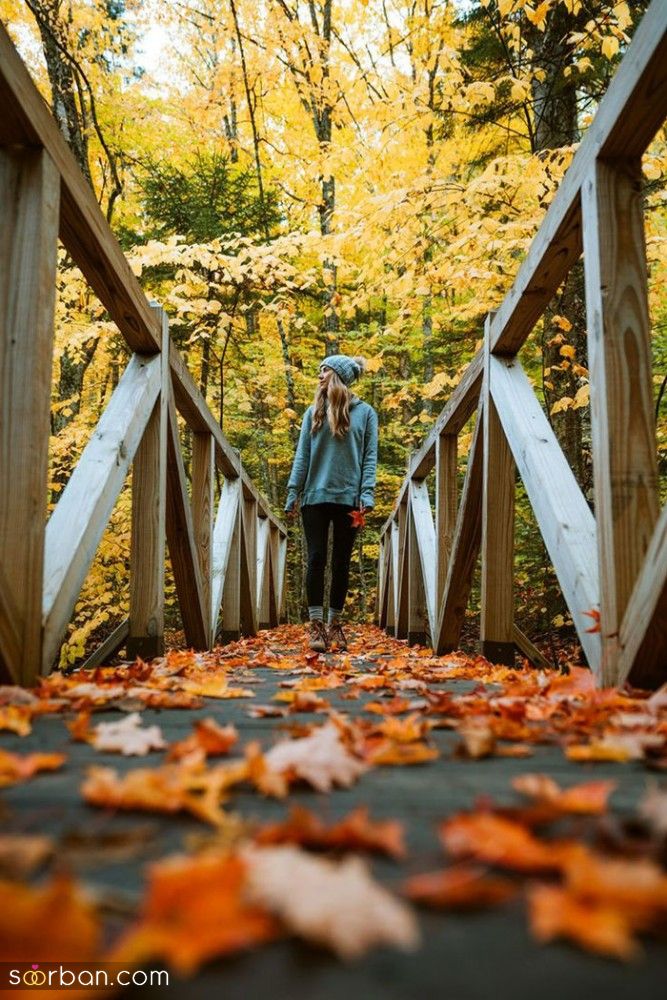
point(316, 518)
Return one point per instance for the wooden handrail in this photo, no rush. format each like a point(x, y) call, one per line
point(612, 565)
point(239, 563)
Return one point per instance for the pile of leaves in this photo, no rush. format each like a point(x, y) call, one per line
point(584, 873)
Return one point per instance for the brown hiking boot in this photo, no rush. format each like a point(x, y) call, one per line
point(336, 636)
point(317, 637)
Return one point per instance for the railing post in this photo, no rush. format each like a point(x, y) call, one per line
point(203, 484)
point(417, 613)
point(622, 422)
point(446, 502)
point(497, 596)
point(402, 577)
point(29, 205)
point(149, 497)
point(231, 591)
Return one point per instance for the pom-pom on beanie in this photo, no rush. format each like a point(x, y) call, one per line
point(346, 368)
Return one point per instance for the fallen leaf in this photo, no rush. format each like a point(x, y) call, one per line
point(172, 788)
point(459, 888)
point(16, 767)
point(588, 798)
point(194, 910)
point(555, 912)
point(320, 759)
point(216, 687)
point(208, 737)
point(51, 922)
point(358, 518)
point(127, 737)
point(498, 841)
point(16, 719)
point(338, 905)
point(398, 754)
point(356, 831)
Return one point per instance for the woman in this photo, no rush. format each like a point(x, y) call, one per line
point(333, 473)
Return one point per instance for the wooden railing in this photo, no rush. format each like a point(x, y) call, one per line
point(229, 567)
point(615, 562)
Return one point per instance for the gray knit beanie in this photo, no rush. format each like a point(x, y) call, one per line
point(348, 369)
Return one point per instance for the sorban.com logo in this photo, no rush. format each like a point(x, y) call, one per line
point(54, 976)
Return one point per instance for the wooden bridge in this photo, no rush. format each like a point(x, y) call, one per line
point(229, 566)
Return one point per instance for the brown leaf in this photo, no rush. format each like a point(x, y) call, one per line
point(588, 798)
point(16, 767)
point(499, 841)
point(459, 888)
point(51, 922)
point(356, 831)
point(556, 912)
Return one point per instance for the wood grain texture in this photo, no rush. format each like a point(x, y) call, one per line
point(643, 633)
point(249, 566)
point(29, 193)
point(230, 619)
point(497, 584)
point(263, 573)
point(78, 521)
point(465, 549)
point(624, 446)
point(563, 516)
point(418, 618)
point(446, 505)
point(223, 532)
point(149, 497)
point(629, 115)
point(203, 500)
point(402, 576)
point(195, 613)
point(423, 537)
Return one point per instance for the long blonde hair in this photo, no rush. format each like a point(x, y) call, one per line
point(332, 401)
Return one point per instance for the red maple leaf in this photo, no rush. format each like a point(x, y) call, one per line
point(358, 518)
point(595, 615)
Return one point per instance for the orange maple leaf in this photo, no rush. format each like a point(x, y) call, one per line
point(356, 831)
point(459, 888)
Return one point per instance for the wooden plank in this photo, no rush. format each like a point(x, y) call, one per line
point(76, 525)
point(249, 567)
point(108, 649)
point(147, 551)
point(195, 613)
point(497, 590)
point(392, 613)
point(424, 538)
point(263, 573)
point(455, 415)
point(278, 546)
point(629, 115)
point(402, 581)
point(223, 532)
point(29, 189)
point(203, 510)
point(418, 619)
point(446, 504)
point(624, 445)
point(231, 591)
point(529, 650)
point(281, 587)
point(563, 516)
point(643, 633)
point(465, 549)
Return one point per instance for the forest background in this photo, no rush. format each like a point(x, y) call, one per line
point(294, 178)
